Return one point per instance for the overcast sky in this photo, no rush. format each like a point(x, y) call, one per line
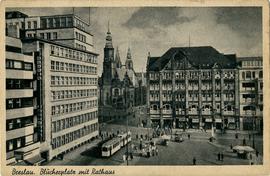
point(156, 29)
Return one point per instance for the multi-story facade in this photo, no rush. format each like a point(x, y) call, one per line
point(65, 81)
point(251, 93)
point(21, 136)
point(120, 89)
point(67, 29)
point(193, 87)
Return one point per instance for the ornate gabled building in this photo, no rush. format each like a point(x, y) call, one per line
point(193, 87)
point(119, 85)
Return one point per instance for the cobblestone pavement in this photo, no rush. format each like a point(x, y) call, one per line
point(198, 147)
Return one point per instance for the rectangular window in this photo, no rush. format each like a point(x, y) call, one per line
point(52, 80)
point(43, 23)
point(54, 35)
point(62, 66)
point(63, 21)
point(48, 36)
point(57, 65)
point(69, 22)
point(28, 66)
point(42, 35)
point(35, 24)
point(10, 145)
point(18, 65)
point(19, 143)
point(29, 24)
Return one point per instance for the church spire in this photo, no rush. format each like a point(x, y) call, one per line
point(109, 38)
point(117, 59)
point(129, 63)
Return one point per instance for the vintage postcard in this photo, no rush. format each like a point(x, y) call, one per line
point(134, 88)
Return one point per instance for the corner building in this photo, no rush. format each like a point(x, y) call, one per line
point(251, 93)
point(21, 137)
point(65, 80)
point(193, 87)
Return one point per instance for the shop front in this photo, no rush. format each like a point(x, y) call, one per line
point(231, 125)
point(181, 123)
point(208, 123)
point(218, 122)
point(195, 123)
point(248, 123)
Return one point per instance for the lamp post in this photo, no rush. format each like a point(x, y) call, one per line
point(253, 127)
point(213, 122)
point(126, 109)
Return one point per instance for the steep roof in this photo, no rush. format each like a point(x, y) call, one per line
point(198, 57)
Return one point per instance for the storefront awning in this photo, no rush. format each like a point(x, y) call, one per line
point(208, 120)
point(195, 120)
point(183, 119)
point(231, 120)
point(218, 120)
point(35, 160)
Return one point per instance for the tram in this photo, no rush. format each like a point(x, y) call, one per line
point(113, 145)
point(124, 138)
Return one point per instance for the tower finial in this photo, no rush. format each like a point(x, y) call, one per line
point(109, 26)
point(188, 40)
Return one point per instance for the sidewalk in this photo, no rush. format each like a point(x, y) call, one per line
point(73, 154)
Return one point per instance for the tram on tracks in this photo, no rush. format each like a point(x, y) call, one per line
point(113, 145)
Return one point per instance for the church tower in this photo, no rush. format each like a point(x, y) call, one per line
point(108, 64)
point(129, 63)
point(117, 59)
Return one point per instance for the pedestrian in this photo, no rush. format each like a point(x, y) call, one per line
point(231, 146)
point(194, 161)
point(244, 141)
point(124, 158)
point(236, 135)
point(148, 153)
point(188, 136)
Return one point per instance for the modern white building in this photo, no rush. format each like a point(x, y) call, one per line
point(65, 80)
point(21, 138)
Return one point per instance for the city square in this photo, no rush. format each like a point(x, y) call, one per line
point(174, 153)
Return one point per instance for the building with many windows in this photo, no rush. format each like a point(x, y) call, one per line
point(193, 87)
point(21, 136)
point(64, 81)
point(251, 93)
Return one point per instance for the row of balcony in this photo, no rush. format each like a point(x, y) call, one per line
point(191, 99)
point(179, 112)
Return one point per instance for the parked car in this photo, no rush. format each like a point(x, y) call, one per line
point(178, 138)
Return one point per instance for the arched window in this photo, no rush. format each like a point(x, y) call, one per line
point(248, 75)
point(167, 107)
point(243, 75)
point(260, 74)
point(116, 92)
